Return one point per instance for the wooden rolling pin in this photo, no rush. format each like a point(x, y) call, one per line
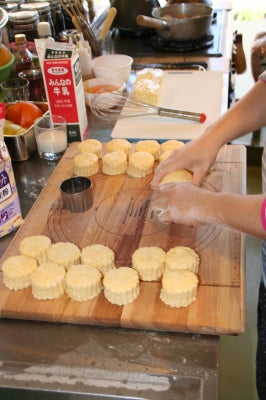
point(107, 23)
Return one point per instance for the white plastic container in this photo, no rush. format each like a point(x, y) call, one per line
point(112, 66)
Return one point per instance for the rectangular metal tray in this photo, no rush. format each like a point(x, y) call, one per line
point(23, 146)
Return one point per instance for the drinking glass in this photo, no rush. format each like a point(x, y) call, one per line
point(15, 90)
point(51, 136)
point(36, 85)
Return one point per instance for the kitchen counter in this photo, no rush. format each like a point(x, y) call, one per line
point(107, 361)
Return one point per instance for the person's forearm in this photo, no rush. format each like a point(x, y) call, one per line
point(187, 204)
point(247, 115)
point(239, 212)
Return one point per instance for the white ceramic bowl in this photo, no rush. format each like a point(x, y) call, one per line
point(102, 87)
point(112, 66)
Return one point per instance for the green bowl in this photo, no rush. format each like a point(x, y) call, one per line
point(5, 70)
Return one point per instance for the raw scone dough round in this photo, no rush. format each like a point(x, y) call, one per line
point(48, 281)
point(179, 288)
point(163, 156)
point(91, 146)
point(150, 146)
point(140, 164)
point(35, 246)
point(182, 257)
point(171, 145)
point(181, 175)
point(98, 256)
point(121, 285)
point(149, 262)
point(114, 163)
point(83, 282)
point(86, 164)
point(119, 145)
point(64, 253)
point(17, 271)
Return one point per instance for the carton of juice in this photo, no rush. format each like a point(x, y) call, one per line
point(63, 85)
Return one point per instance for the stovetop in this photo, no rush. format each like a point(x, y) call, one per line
point(152, 44)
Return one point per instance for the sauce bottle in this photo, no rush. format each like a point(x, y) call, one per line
point(23, 56)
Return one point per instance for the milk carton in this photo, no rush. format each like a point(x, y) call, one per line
point(63, 85)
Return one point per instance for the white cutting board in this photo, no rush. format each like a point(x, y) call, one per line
point(196, 91)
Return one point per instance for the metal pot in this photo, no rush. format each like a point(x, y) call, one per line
point(127, 12)
point(207, 2)
point(183, 21)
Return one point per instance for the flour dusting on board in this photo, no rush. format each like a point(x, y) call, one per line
point(10, 212)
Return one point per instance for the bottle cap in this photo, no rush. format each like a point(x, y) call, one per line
point(44, 29)
point(20, 38)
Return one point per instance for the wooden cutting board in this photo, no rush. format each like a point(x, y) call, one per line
point(121, 219)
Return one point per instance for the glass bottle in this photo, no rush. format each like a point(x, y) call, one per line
point(23, 56)
point(58, 18)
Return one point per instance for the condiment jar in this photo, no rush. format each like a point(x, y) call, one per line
point(21, 22)
point(44, 10)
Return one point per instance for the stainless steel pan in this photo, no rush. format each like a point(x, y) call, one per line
point(184, 21)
